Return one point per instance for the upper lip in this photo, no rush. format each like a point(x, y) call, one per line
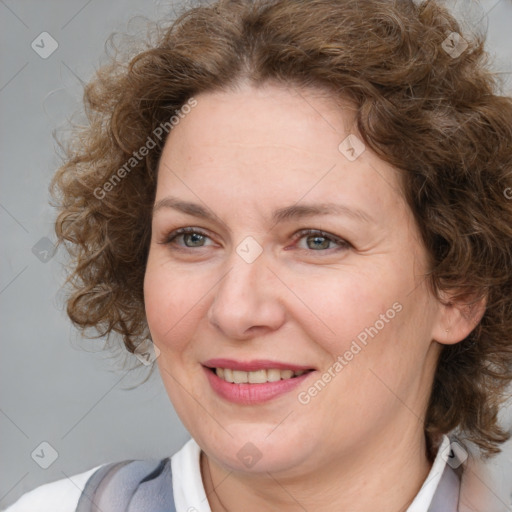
point(254, 365)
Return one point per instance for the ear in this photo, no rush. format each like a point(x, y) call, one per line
point(457, 318)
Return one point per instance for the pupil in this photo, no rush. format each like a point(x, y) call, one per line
point(197, 237)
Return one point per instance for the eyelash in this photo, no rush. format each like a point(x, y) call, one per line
point(343, 244)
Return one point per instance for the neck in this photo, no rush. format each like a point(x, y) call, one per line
point(385, 477)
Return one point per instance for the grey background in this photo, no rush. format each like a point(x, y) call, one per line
point(56, 387)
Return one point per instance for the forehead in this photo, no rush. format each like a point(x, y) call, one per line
point(273, 144)
point(268, 116)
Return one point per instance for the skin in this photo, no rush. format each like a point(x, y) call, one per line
point(359, 444)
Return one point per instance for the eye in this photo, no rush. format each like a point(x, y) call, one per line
point(191, 236)
point(319, 241)
point(316, 240)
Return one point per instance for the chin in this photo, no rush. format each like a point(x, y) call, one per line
point(255, 451)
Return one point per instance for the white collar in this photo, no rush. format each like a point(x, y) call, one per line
point(424, 497)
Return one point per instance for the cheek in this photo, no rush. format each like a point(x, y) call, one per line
point(169, 302)
point(351, 305)
point(154, 300)
point(176, 302)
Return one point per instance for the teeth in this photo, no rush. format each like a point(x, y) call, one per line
point(240, 377)
point(286, 374)
point(273, 375)
point(256, 377)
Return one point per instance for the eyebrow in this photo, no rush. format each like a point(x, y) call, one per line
point(280, 215)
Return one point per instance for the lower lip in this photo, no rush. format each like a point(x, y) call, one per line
point(249, 394)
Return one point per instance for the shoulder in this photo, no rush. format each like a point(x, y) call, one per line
point(58, 496)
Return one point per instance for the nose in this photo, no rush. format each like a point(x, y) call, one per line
point(248, 301)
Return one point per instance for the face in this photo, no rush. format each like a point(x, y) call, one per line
point(249, 285)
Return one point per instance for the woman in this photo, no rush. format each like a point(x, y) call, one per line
point(303, 206)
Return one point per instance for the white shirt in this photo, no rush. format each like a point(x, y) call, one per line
point(63, 495)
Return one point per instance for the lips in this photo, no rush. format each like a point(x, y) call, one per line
point(253, 382)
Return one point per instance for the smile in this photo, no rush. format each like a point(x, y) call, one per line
point(254, 382)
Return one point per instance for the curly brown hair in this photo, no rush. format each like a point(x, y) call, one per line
point(434, 115)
